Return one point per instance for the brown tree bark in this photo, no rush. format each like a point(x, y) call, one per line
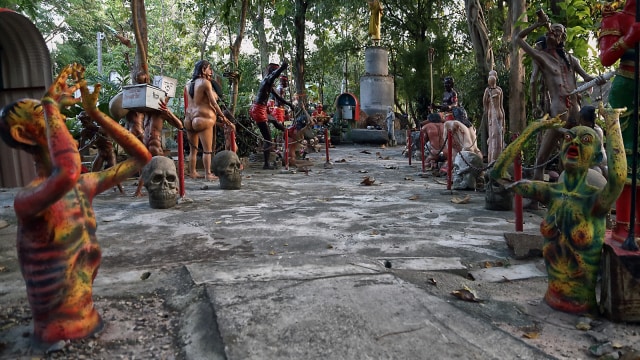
point(235, 54)
point(140, 71)
point(299, 63)
point(517, 115)
point(479, 35)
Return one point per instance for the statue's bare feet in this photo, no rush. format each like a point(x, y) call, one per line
point(195, 175)
point(138, 194)
point(211, 177)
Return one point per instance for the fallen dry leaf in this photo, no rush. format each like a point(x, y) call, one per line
point(457, 200)
point(365, 152)
point(531, 335)
point(414, 197)
point(272, 252)
point(433, 281)
point(367, 181)
point(465, 294)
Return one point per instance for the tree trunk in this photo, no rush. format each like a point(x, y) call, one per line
point(140, 71)
point(299, 23)
point(517, 115)
point(263, 46)
point(479, 36)
point(235, 53)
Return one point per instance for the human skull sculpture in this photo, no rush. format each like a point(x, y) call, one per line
point(496, 197)
point(226, 165)
point(466, 167)
point(161, 180)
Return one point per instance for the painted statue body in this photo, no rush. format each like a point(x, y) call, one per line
point(494, 112)
point(619, 33)
point(57, 247)
point(575, 223)
point(558, 70)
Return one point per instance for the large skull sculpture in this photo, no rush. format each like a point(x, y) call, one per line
point(161, 180)
point(466, 167)
point(226, 165)
point(496, 197)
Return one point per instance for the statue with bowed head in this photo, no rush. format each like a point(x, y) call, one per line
point(575, 223)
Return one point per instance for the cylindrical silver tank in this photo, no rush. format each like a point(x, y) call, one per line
point(376, 60)
point(376, 94)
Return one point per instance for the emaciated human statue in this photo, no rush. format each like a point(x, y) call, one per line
point(375, 6)
point(575, 223)
point(494, 113)
point(433, 132)
point(258, 111)
point(558, 70)
point(201, 116)
point(619, 33)
point(58, 251)
point(152, 139)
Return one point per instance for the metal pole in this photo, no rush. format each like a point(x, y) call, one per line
point(99, 38)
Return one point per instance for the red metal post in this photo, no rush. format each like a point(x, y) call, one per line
point(181, 161)
point(285, 149)
point(422, 150)
point(517, 175)
point(409, 145)
point(326, 141)
point(449, 158)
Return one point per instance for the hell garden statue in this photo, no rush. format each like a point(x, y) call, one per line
point(58, 252)
point(227, 166)
point(574, 225)
point(160, 178)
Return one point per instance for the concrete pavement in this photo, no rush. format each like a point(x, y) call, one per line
point(292, 266)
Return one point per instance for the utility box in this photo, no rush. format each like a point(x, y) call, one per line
point(167, 84)
point(142, 97)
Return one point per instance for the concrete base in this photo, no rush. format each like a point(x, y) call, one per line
point(525, 244)
point(366, 136)
point(620, 291)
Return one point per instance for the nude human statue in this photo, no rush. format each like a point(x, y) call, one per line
point(575, 223)
point(58, 251)
point(433, 132)
point(558, 70)
point(201, 116)
point(494, 113)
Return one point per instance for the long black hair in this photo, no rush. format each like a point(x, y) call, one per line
point(197, 72)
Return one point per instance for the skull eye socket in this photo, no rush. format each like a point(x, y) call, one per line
point(171, 178)
point(157, 178)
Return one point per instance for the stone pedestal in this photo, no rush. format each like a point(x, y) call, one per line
point(620, 290)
